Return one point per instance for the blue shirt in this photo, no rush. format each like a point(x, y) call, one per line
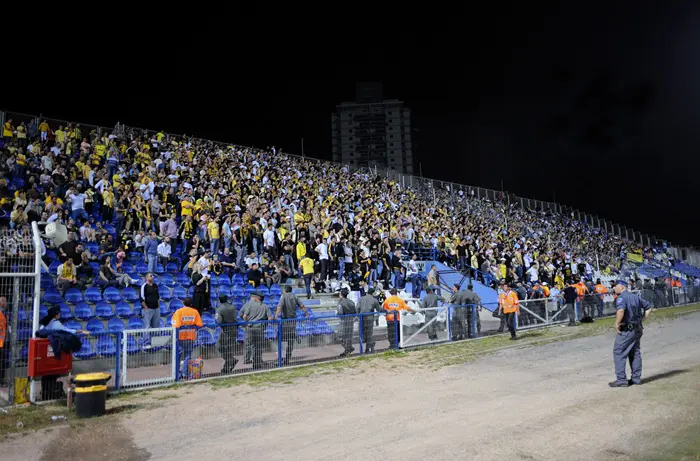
point(634, 307)
point(151, 246)
point(57, 325)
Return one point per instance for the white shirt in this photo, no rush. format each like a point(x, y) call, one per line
point(77, 201)
point(249, 261)
point(204, 262)
point(534, 275)
point(164, 249)
point(412, 268)
point(269, 238)
point(322, 250)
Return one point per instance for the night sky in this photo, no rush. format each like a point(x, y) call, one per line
point(597, 107)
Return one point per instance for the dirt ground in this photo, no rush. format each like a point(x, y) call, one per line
point(549, 402)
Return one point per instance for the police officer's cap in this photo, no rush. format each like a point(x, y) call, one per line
point(258, 294)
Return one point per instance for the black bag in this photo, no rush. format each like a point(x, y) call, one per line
point(587, 319)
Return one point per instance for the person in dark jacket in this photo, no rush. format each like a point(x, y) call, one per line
point(570, 296)
point(287, 310)
point(226, 317)
point(346, 308)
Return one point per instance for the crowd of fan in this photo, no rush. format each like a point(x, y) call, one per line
point(224, 209)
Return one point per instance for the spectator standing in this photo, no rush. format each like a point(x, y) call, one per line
point(164, 251)
point(570, 295)
point(509, 306)
point(322, 250)
point(269, 241)
point(150, 305)
point(77, 205)
point(306, 268)
point(214, 234)
point(150, 248)
point(200, 281)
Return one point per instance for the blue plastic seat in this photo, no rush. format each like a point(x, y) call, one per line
point(82, 311)
point(46, 282)
point(115, 326)
point(166, 280)
point(179, 292)
point(275, 290)
point(175, 304)
point(52, 296)
point(182, 279)
point(104, 310)
point(95, 267)
point(24, 334)
point(132, 347)
point(86, 352)
point(224, 280)
point(164, 308)
point(205, 338)
point(95, 327)
point(53, 267)
point(190, 292)
point(270, 331)
point(137, 280)
point(51, 254)
point(171, 268)
point(73, 325)
point(106, 346)
point(214, 280)
point(240, 336)
point(135, 323)
point(168, 320)
point(112, 295)
point(24, 317)
point(135, 256)
point(249, 289)
point(142, 268)
point(165, 293)
point(43, 311)
point(238, 279)
point(129, 294)
point(222, 290)
point(208, 320)
point(93, 295)
point(160, 269)
point(92, 247)
point(123, 309)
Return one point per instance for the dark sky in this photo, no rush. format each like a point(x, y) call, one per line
point(596, 105)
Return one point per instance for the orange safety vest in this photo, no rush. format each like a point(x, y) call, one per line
point(580, 289)
point(187, 319)
point(601, 290)
point(509, 302)
point(393, 305)
point(676, 283)
point(3, 329)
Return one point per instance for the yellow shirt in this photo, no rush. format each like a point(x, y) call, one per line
point(307, 266)
point(108, 198)
point(44, 127)
point(60, 136)
point(213, 228)
point(187, 207)
point(100, 149)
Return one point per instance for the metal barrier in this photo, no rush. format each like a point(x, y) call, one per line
point(149, 358)
point(429, 326)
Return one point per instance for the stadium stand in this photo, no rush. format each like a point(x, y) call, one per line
point(137, 201)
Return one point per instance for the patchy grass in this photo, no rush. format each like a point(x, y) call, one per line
point(167, 397)
point(31, 417)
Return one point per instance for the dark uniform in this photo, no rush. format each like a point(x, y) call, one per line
point(473, 299)
point(226, 317)
point(458, 301)
point(256, 311)
point(366, 305)
point(345, 308)
point(627, 343)
point(431, 301)
point(289, 303)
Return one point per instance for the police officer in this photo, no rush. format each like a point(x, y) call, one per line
point(346, 308)
point(458, 303)
point(366, 306)
point(287, 310)
point(472, 299)
point(226, 317)
point(255, 311)
point(631, 311)
point(660, 292)
point(430, 302)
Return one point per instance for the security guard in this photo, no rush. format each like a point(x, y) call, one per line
point(430, 302)
point(631, 311)
point(600, 292)
point(255, 311)
point(226, 317)
point(509, 305)
point(458, 302)
point(393, 305)
point(346, 309)
point(287, 310)
point(472, 299)
point(366, 306)
point(186, 320)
